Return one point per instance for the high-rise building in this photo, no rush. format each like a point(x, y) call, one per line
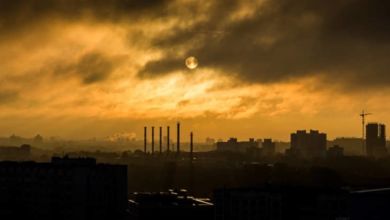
point(308, 145)
point(376, 140)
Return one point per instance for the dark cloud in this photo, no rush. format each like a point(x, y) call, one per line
point(91, 68)
point(158, 67)
point(19, 15)
point(346, 40)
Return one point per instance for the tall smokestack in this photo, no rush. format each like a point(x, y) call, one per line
point(168, 139)
point(152, 140)
point(160, 140)
point(191, 145)
point(178, 139)
point(145, 140)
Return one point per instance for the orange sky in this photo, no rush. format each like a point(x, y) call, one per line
point(90, 77)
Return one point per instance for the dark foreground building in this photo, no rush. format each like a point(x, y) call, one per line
point(287, 203)
point(63, 189)
point(172, 205)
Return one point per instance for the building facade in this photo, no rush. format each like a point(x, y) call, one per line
point(308, 144)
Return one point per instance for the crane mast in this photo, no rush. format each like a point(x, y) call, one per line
point(363, 115)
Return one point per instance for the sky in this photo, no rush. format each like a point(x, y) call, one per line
point(81, 68)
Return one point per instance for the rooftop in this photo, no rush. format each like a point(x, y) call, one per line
point(172, 198)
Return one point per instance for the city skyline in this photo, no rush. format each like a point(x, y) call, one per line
point(157, 140)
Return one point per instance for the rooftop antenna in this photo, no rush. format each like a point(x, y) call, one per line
point(363, 115)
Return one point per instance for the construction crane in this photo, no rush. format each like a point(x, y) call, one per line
point(363, 115)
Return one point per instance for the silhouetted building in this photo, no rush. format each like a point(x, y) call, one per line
point(376, 140)
point(268, 147)
point(308, 145)
point(292, 202)
point(246, 204)
point(210, 141)
point(232, 145)
point(38, 138)
point(172, 205)
point(350, 145)
point(335, 151)
point(269, 203)
point(14, 138)
point(63, 189)
point(15, 153)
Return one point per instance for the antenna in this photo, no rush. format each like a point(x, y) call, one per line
point(363, 115)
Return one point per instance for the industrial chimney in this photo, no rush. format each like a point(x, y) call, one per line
point(178, 139)
point(191, 145)
point(145, 140)
point(160, 140)
point(168, 138)
point(152, 140)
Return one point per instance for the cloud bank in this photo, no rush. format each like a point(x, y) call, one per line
point(278, 40)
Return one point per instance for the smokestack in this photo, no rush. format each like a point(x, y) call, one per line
point(178, 139)
point(168, 139)
point(145, 140)
point(191, 145)
point(160, 140)
point(152, 140)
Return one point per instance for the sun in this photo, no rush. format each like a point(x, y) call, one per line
point(191, 62)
